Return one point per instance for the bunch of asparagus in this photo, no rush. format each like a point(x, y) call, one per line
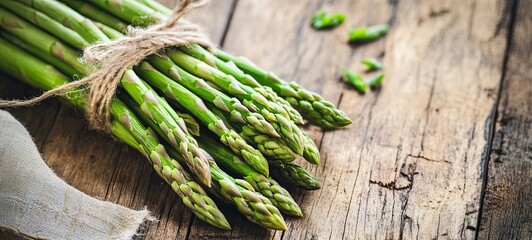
point(186, 110)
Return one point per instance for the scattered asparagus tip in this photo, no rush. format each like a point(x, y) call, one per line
point(355, 80)
point(323, 20)
point(372, 64)
point(360, 35)
point(375, 82)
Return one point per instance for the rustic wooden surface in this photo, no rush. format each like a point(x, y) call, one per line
point(443, 150)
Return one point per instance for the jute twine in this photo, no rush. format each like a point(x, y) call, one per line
point(111, 59)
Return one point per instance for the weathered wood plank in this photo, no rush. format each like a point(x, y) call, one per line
point(506, 210)
point(410, 164)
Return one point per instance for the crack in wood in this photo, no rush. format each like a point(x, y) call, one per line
point(407, 173)
point(490, 129)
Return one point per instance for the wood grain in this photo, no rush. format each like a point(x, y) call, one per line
point(506, 210)
point(412, 163)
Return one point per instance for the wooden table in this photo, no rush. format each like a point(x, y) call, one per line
point(443, 150)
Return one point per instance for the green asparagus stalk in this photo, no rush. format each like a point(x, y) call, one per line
point(139, 91)
point(311, 105)
point(295, 175)
point(231, 69)
point(254, 206)
point(311, 152)
point(273, 148)
point(37, 73)
point(252, 99)
point(196, 106)
point(268, 187)
point(30, 34)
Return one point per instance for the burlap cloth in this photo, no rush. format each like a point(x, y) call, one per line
point(35, 203)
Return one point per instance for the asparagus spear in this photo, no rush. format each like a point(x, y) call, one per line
point(139, 91)
point(311, 105)
point(295, 175)
point(35, 72)
point(268, 187)
point(196, 106)
point(311, 152)
point(230, 68)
